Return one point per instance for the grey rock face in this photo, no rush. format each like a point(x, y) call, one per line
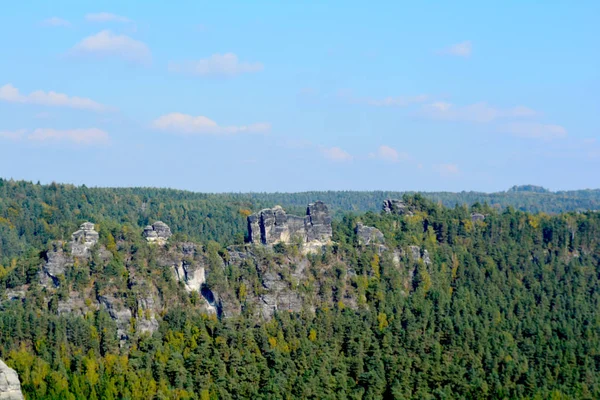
point(120, 314)
point(395, 206)
point(416, 254)
point(158, 232)
point(192, 277)
point(83, 240)
point(277, 296)
point(10, 386)
point(56, 262)
point(273, 225)
point(368, 235)
point(476, 217)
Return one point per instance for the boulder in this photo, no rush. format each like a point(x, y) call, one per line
point(10, 386)
point(83, 240)
point(368, 235)
point(158, 233)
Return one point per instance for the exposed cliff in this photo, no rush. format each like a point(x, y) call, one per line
point(158, 233)
point(272, 225)
point(10, 386)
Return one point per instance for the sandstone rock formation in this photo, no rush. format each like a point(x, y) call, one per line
point(417, 254)
point(117, 312)
point(83, 240)
point(477, 217)
point(10, 386)
point(158, 232)
point(272, 225)
point(368, 235)
point(56, 262)
point(395, 206)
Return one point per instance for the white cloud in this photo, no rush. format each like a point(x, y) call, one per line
point(11, 94)
point(90, 136)
point(106, 43)
point(106, 17)
point(390, 101)
point(56, 22)
point(390, 154)
point(335, 154)
point(446, 170)
point(462, 49)
point(535, 130)
point(12, 135)
point(189, 124)
point(478, 112)
point(223, 65)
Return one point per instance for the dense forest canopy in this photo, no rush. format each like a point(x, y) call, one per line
point(50, 212)
point(505, 307)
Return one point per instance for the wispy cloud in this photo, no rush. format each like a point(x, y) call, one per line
point(56, 22)
point(478, 112)
point(12, 135)
point(106, 17)
point(83, 137)
point(335, 154)
point(389, 101)
point(387, 153)
point(86, 137)
point(217, 65)
point(535, 130)
point(109, 44)
point(446, 170)
point(189, 124)
point(12, 94)
point(463, 49)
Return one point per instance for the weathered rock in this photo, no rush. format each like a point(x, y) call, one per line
point(117, 312)
point(192, 276)
point(83, 240)
point(477, 217)
point(416, 254)
point(368, 235)
point(277, 296)
point(10, 386)
point(395, 206)
point(158, 233)
point(55, 264)
point(272, 225)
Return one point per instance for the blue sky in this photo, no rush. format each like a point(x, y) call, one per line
point(294, 96)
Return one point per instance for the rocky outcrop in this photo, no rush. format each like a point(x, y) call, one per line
point(417, 254)
point(56, 262)
point(83, 240)
point(120, 314)
point(272, 225)
point(477, 217)
point(10, 386)
point(395, 206)
point(158, 233)
point(368, 235)
point(192, 277)
point(277, 296)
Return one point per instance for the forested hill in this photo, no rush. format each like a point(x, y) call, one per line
point(426, 303)
point(32, 214)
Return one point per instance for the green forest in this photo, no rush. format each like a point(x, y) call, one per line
point(507, 307)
